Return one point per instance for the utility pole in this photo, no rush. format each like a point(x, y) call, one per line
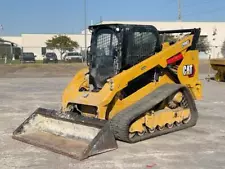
point(214, 41)
point(1, 30)
point(85, 28)
point(179, 11)
point(101, 19)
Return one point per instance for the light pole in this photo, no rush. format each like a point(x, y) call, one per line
point(214, 41)
point(179, 10)
point(85, 29)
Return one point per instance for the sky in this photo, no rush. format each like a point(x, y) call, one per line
point(67, 16)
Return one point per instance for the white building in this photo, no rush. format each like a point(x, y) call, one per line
point(35, 42)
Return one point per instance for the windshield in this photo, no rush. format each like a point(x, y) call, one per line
point(28, 54)
point(106, 43)
point(73, 54)
point(104, 56)
point(50, 54)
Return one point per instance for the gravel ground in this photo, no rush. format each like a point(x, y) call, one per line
point(30, 70)
point(200, 147)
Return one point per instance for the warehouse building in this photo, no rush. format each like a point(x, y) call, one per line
point(213, 31)
point(36, 43)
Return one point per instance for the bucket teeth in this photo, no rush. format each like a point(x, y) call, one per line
point(76, 137)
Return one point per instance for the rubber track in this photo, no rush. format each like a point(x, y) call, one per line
point(121, 122)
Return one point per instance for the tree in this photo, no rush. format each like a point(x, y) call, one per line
point(62, 43)
point(223, 49)
point(168, 38)
point(203, 44)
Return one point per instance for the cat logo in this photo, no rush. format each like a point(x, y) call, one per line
point(188, 70)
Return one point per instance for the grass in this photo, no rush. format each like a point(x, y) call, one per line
point(13, 62)
point(38, 62)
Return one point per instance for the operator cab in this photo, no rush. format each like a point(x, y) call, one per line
point(117, 47)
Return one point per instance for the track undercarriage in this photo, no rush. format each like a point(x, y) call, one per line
point(155, 115)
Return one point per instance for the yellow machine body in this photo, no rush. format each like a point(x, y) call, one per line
point(102, 99)
point(219, 66)
point(93, 118)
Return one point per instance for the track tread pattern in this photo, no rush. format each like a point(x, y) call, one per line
point(120, 123)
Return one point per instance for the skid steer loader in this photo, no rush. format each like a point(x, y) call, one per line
point(135, 88)
point(218, 65)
